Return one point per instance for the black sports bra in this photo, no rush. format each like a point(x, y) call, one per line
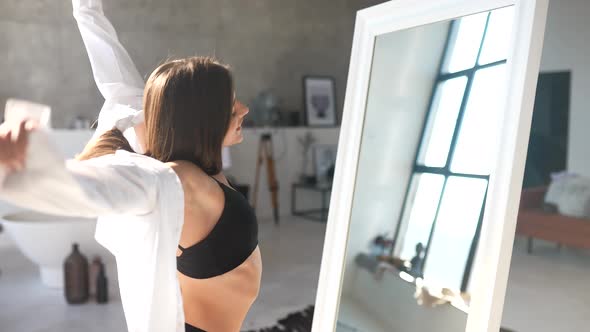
point(230, 243)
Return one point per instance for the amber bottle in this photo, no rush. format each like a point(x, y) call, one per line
point(76, 277)
point(102, 289)
point(93, 270)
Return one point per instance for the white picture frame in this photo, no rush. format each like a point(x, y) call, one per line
point(319, 94)
point(490, 274)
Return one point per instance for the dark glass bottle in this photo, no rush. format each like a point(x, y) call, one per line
point(102, 290)
point(76, 277)
point(93, 271)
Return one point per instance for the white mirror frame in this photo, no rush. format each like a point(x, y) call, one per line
point(490, 274)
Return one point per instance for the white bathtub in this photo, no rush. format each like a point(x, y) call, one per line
point(47, 241)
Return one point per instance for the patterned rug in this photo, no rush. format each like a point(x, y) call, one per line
point(301, 322)
point(295, 322)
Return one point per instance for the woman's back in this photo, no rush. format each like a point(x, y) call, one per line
point(216, 296)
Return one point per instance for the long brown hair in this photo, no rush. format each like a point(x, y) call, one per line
point(187, 105)
point(107, 143)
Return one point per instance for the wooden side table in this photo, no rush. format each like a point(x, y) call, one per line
point(311, 214)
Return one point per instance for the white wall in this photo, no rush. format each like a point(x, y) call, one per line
point(405, 65)
point(566, 47)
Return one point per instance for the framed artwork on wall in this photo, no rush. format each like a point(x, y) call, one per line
point(320, 101)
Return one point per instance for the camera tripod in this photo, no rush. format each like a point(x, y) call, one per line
point(265, 154)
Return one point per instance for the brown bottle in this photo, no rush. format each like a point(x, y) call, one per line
point(76, 277)
point(102, 289)
point(93, 271)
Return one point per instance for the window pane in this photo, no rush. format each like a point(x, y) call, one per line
point(454, 230)
point(465, 42)
point(498, 36)
point(420, 211)
point(478, 135)
point(441, 122)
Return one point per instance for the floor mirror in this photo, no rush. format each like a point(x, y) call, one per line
point(430, 164)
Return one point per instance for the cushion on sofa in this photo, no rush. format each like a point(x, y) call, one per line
point(571, 195)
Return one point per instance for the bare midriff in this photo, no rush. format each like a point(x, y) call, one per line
point(220, 303)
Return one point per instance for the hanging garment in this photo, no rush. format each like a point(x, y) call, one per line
point(139, 203)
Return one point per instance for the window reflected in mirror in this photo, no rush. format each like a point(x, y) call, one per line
point(428, 149)
point(458, 144)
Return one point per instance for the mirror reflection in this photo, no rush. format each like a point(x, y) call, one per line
point(427, 152)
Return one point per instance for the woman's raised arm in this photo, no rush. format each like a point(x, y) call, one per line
point(114, 72)
point(121, 183)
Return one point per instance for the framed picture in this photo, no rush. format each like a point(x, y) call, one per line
point(320, 101)
point(324, 162)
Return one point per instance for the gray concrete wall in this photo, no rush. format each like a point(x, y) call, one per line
point(269, 43)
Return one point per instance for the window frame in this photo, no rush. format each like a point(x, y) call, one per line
point(445, 170)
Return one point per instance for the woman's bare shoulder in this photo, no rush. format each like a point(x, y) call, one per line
point(187, 171)
point(194, 180)
point(198, 187)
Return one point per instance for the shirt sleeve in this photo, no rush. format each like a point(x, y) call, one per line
point(114, 72)
point(122, 183)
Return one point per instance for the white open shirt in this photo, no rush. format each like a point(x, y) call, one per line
point(138, 200)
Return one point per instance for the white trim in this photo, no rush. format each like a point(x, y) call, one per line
point(490, 276)
point(497, 237)
point(330, 279)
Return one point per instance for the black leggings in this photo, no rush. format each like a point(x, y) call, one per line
point(190, 328)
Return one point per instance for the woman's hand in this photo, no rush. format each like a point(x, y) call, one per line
point(14, 138)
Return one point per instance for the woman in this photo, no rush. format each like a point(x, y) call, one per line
point(175, 191)
point(190, 115)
